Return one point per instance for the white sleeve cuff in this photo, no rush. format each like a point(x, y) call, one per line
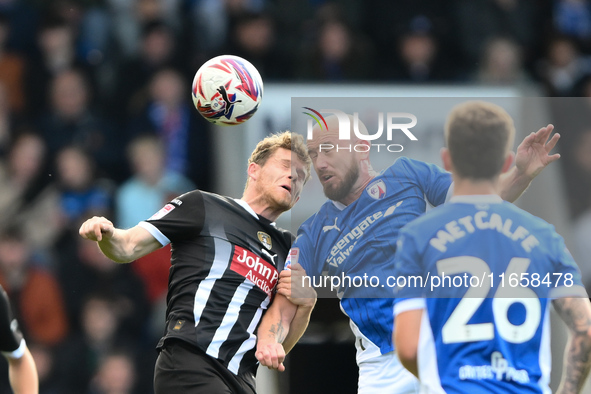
point(155, 233)
point(409, 305)
point(18, 353)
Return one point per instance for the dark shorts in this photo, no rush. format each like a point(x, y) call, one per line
point(183, 368)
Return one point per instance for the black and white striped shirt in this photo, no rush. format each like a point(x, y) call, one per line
point(224, 268)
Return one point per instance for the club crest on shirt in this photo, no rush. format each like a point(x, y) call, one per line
point(265, 239)
point(377, 189)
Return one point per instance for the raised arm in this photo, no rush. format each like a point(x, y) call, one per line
point(576, 313)
point(533, 155)
point(286, 320)
point(121, 246)
point(22, 374)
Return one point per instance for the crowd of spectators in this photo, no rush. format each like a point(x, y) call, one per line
point(95, 119)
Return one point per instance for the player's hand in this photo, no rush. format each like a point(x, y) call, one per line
point(293, 286)
point(271, 355)
point(97, 229)
point(533, 154)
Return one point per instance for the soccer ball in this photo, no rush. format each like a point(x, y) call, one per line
point(227, 90)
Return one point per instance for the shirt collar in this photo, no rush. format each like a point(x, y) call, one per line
point(478, 199)
point(245, 205)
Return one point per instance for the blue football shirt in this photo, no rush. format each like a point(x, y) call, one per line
point(488, 273)
point(359, 240)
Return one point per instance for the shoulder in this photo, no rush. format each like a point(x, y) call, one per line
point(534, 221)
point(327, 212)
point(429, 220)
point(405, 167)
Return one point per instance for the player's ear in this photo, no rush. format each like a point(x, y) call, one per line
point(508, 161)
point(253, 171)
point(446, 159)
point(363, 153)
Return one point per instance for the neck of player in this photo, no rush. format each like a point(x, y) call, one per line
point(367, 175)
point(467, 187)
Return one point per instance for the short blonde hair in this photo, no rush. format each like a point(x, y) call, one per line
point(286, 140)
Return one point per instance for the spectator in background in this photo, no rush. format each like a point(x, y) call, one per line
point(478, 21)
point(8, 123)
point(12, 69)
point(152, 184)
point(254, 38)
point(419, 57)
point(129, 16)
point(45, 361)
point(72, 121)
point(502, 63)
point(35, 292)
point(572, 18)
point(170, 115)
point(115, 375)
point(27, 194)
point(24, 20)
point(211, 23)
point(56, 54)
point(563, 67)
point(84, 271)
point(82, 355)
point(157, 50)
point(337, 54)
point(81, 193)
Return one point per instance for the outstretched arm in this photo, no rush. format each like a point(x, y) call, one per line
point(576, 313)
point(533, 155)
point(22, 374)
point(286, 320)
point(121, 246)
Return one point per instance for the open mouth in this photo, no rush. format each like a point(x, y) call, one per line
point(325, 178)
point(286, 187)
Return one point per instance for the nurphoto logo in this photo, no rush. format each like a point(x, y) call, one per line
point(345, 130)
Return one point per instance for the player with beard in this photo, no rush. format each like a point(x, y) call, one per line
point(226, 258)
point(354, 234)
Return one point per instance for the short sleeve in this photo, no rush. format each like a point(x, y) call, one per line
point(433, 180)
point(181, 218)
point(302, 253)
point(11, 338)
point(569, 284)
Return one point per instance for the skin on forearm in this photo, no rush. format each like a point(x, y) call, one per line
point(22, 374)
point(128, 245)
point(576, 313)
point(512, 185)
point(297, 327)
point(275, 325)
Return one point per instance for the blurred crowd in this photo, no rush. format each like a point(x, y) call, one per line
point(96, 119)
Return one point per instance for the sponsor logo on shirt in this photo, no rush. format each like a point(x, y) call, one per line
point(332, 227)
point(162, 212)
point(292, 258)
point(499, 369)
point(255, 269)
